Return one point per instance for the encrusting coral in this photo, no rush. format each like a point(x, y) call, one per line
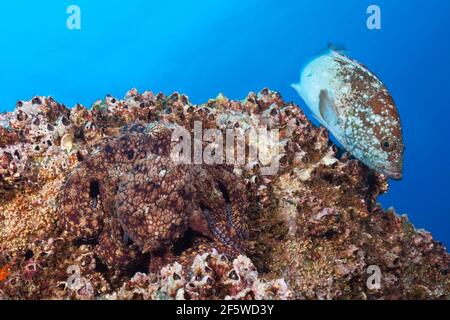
point(93, 207)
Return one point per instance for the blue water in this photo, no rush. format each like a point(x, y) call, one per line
point(205, 47)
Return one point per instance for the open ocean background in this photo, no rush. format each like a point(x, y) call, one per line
point(201, 48)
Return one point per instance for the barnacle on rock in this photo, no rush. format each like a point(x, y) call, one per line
point(208, 275)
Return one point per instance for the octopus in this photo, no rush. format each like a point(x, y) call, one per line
point(129, 198)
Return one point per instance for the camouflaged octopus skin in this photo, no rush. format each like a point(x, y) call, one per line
point(132, 199)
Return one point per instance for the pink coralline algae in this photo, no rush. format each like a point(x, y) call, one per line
point(93, 207)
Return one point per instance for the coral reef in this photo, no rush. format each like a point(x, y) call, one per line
point(91, 207)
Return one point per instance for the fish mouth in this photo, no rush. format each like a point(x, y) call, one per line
point(397, 175)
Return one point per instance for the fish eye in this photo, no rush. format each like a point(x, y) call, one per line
point(388, 144)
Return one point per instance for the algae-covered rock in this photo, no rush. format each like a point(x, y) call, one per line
point(312, 227)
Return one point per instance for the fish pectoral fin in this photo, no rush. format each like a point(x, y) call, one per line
point(327, 110)
point(297, 87)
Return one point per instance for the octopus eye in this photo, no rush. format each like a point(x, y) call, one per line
point(388, 145)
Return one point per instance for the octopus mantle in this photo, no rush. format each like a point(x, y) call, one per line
point(133, 198)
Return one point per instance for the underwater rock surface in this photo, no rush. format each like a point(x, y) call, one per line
point(315, 229)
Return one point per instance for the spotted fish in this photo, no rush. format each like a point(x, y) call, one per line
point(356, 107)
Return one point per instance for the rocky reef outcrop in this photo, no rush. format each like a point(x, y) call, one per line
point(313, 229)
